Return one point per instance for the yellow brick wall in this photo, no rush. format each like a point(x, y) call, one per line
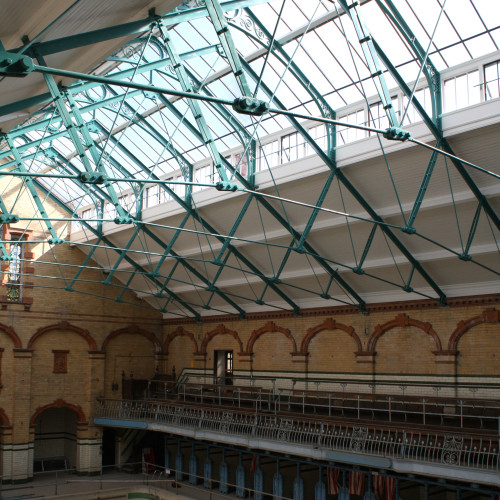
point(480, 351)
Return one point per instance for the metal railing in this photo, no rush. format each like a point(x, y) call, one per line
point(458, 449)
point(473, 414)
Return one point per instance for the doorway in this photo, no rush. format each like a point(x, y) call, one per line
point(223, 367)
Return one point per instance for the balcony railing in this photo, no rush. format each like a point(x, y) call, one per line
point(403, 442)
point(459, 413)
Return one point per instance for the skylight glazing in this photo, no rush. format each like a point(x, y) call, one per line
point(183, 143)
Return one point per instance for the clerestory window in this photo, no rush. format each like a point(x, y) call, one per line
point(15, 273)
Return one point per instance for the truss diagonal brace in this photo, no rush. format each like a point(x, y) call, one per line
point(183, 78)
point(32, 190)
point(221, 27)
point(372, 59)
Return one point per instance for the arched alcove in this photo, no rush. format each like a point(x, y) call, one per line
point(55, 445)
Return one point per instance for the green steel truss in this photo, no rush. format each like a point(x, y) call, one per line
point(163, 127)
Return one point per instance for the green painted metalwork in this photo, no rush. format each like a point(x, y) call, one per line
point(432, 74)
point(193, 104)
point(326, 110)
point(421, 192)
point(366, 206)
point(472, 232)
point(127, 29)
point(221, 28)
point(193, 213)
point(321, 198)
point(459, 164)
point(77, 119)
point(84, 264)
point(31, 187)
point(376, 73)
point(134, 264)
point(118, 261)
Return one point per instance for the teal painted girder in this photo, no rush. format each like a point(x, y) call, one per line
point(219, 22)
point(285, 224)
point(85, 86)
point(326, 110)
point(433, 78)
point(361, 200)
point(248, 142)
point(430, 71)
point(489, 210)
point(168, 248)
point(276, 214)
point(193, 104)
point(129, 29)
point(66, 117)
point(195, 214)
point(111, 245)
point(31, 187)
point(371, 57)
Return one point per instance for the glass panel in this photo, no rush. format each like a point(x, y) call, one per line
point(14, 278)
point(269, 154)
point(461, 91)
point(491, 80)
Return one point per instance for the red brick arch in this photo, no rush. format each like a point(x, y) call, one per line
point(12, 334)
point(60, 403)
point(4, 419)
point(64, 325)
point(178, 332)
point(329, 324)
point(270, 327)
point(402, 320)
point(487, 316)
point(134, 330)
point(219, 330)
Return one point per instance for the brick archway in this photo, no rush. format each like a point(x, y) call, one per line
point(270, 327)
point(135, 330)
point(219, 330)
point(402, 320)
point(10, 332)
point(487, 316)
point(64, 325)
point(60, 403)
point(178, 332)
point(329, 324)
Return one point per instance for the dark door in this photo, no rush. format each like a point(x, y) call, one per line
point(223, 367)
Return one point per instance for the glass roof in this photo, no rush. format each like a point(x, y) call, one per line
point(323, 62)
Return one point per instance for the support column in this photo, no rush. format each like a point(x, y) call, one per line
point(193, 467)
point(278, 481)
point(344, 490)
point(369, 494)
point(178, 462)
point(240, 479)
point(223, 474)
point(320, 488)
point(258, 480)
point(166, 454)
point(207, 471)
point(298, 486)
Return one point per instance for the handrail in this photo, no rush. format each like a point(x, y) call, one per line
point(449, 412)
point(460, 449)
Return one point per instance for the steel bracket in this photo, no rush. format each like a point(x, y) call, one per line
point(250, 106)
point(12, 64)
